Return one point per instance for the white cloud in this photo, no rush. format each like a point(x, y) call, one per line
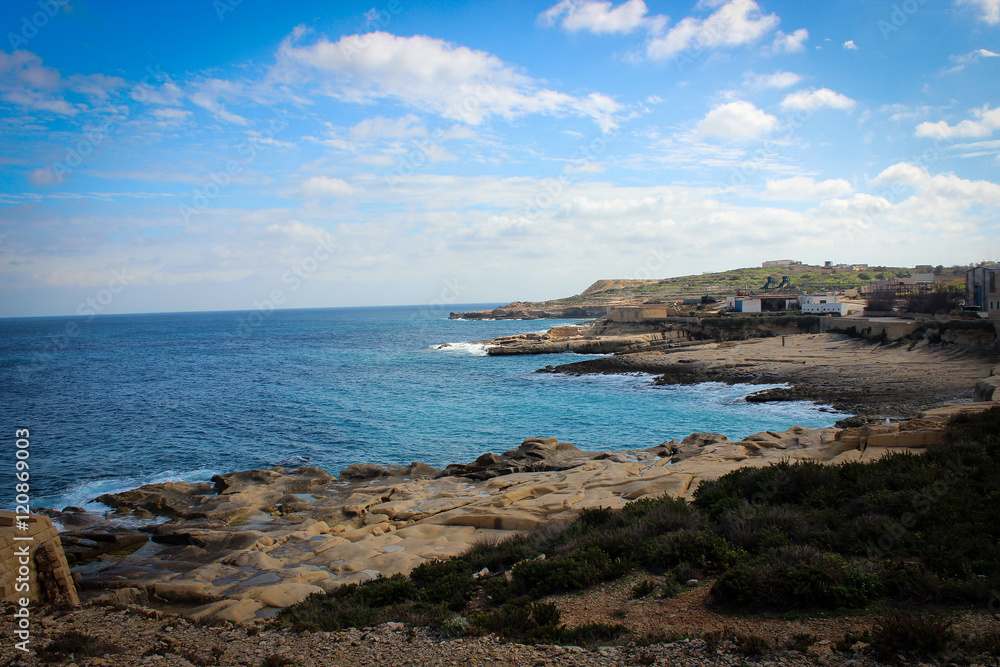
point(850, 45)
point(737, 121)
point(734, 23)
point(812, 100)
point(26, 82)
point(777, 79)
point(803, 188)
point(168, 94)
point(794, 43)
point(211, 94)
point(380, 127)
point(989, 9)
point(988, 121)
point(170, 116)
point(601, 18)
point(430, 75)
point(43, 176)
point(970, 58)
point(322, 187)
point(944, 186)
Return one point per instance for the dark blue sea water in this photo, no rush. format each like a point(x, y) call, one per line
point(119, 401)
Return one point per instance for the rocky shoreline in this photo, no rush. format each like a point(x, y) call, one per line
point(849, 374)
point(246, 544)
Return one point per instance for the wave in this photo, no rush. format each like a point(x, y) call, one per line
point(473, 349)
point(85, 494)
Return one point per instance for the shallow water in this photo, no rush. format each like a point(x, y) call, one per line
point(132, 399)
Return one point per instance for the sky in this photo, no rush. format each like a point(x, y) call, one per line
point(251, 154)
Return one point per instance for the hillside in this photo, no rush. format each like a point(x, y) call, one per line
point(810, 279)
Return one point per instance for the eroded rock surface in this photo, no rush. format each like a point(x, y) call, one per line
point(301, 531)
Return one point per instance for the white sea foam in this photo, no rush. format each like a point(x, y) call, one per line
point(84, 494)
point(473, 349)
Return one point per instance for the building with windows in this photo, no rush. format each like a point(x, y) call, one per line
point(981, 285)
point(825, 304)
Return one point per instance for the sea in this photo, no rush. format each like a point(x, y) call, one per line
point(117, 401)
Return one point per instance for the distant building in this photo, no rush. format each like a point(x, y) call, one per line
point(780, 262)
point(762, 303)
point(822, 304)
point(981, 290)
point(918, 279)
point(743, 304)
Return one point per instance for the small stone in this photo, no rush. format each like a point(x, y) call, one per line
point(691, 583)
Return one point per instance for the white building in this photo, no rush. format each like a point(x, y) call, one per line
point(743, 305)
point(823, 304)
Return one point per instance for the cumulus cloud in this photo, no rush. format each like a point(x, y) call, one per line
point(777, 79)
point(601, 18)
point(946, 186)
point(804, 188)
point(987, 121)
point(431, 75)
point(794, 43)
point(850, 45)
point(989, 10)
point(812, 100)
point(736, 121)
point(734, 23)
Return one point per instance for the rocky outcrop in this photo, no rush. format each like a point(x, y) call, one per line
point(600, 337)
point(365, 471)
point(228, 498)
point(521, 310)
point(534, 455)
point(303, 532)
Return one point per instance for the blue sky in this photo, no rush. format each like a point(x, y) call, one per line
point(231, 155)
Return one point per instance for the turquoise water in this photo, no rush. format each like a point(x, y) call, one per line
point(120, 401)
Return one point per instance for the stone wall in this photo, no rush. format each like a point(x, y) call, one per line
point(48, 578)
point(867, 328)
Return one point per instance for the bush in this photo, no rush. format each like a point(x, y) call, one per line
point(566, 572)
point(909, 634)
point(699, 549)
point(905, 528)
point(643, 588)
point(798, 578)
point(76, 644)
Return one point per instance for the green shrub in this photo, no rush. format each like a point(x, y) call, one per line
point(909, 634)
point(643, 588)
point(565, 572)
point(76, 644)
point(700, 549)
point(798, 578)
